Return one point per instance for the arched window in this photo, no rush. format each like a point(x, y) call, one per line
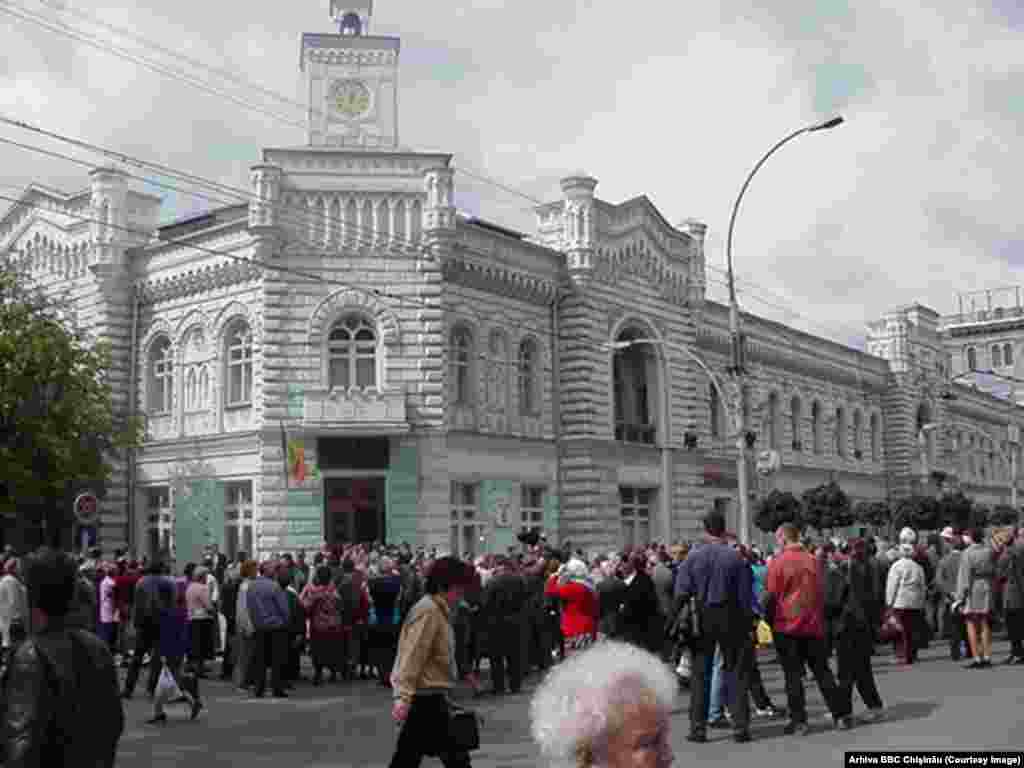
point(352, 354)
point(924, 418)
point(192, 390)
point(528, 377)
point(839, 434)
point(997, 356)
point(239, 365)
point(497, 373)
point(714, 410)
point(972, 359)
point(772, 423)
point(204, 387)
point(876, 437)
point(795, 417)
point(351, 25)
point(161, 376)
point(858, 429)
point(460, 360)
point(634, 376)
point(816, 442)
point(1007, 354)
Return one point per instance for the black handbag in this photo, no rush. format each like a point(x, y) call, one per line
point(463, 729)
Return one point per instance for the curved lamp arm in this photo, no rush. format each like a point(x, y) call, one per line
point(739, 198)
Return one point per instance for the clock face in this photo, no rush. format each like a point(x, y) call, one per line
point(350, 98)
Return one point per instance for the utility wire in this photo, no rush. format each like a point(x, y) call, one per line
point(107, 46)
point(315, 219)
point(304, 225)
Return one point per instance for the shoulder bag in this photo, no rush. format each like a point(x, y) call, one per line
point(463, 729)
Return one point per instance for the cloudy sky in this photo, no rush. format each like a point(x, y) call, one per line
point(915, 198)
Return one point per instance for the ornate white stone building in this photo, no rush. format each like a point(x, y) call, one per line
point(434, 378)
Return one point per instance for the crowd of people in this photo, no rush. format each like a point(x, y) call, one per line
point(700, 609)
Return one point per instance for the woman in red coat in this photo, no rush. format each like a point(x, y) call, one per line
point(579, 603)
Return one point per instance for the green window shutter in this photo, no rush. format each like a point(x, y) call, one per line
point(551, 516)
point(304, 513)
point(198, 520)
point(403, 495)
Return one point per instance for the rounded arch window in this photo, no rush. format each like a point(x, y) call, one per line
point(239, 364)
point(351, 25)
point(352, 353)
point(528, 400)
point(161, 376)
point(816, 427)
point(460, 358)
point(497, 352)
point(635, 382)
point(796, 417)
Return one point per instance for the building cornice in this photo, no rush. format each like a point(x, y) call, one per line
point(460, 268)
point(192, 445)
point(202, 279)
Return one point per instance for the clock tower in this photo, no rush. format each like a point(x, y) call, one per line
point(351, 82)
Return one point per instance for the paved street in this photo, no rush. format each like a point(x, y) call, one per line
point(935, 704)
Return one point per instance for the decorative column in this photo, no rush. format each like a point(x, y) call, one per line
point(264, 207)
point(578, 225)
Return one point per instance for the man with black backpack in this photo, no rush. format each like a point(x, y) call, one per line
point(61, 691)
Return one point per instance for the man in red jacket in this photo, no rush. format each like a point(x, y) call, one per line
point(794, 607)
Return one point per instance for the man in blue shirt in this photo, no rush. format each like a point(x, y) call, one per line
point(721, 581)
point(268, 608)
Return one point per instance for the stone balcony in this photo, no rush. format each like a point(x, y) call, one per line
point(354, 410)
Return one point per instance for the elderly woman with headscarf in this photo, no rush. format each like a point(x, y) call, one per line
point(608, 706)
point(905, 588)
point(572, 586)
point(326, 636)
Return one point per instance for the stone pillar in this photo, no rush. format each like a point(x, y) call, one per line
point(697, 231)
point(109, 231)
point(265, 205)
point(579, 225)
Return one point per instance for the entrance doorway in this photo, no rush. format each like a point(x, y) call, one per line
point(354, 510)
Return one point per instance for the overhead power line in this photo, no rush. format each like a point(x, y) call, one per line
point(311, 219)
point(68, 30)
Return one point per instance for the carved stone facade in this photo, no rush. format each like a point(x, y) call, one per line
point(347, 356)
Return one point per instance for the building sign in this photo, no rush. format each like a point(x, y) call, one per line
point(87, 509)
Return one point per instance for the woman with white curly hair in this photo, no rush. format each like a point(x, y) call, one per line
point(606, 707)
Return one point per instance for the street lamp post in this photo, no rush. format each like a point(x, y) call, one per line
point(738, 361)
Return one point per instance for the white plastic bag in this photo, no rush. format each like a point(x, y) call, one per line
point(167, 689)
point(683, 670)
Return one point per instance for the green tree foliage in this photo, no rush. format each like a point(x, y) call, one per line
point(827, 506)
point(776, 508)
point(955, 510)
point(876, 514)
point(917, 512)
point(1003, 514)
point(58, 426)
